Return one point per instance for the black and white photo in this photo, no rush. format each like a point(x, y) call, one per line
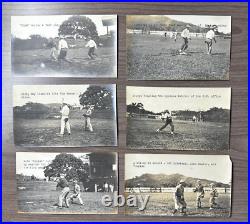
point(178, 118)
point(178, 47)
point(65, 183)
point(180, 185)
point(64, 45)
point(65, 115)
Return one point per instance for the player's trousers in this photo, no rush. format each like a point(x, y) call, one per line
point(91, 52)
point(179, 203)
point(65, 123)
point(63, 53)
point(63, 197)
point(184, 46)
point(88, 125)
point(168, 122)
point(77, 196)
point(212, 202)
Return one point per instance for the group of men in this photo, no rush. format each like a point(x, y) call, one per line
point(180, 203)
point(59, 52)
point(210, 37)
point(65, 195)
point(65, 111)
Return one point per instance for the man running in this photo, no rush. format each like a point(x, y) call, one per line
point(210, 36)
point(185, 36)
point(179, 200)
point(166, 116)
point(199, 189)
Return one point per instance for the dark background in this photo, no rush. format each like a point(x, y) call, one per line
point(238, 82)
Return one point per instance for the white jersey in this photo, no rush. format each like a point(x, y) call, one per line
point(91, 44)
point(185, 33)
point(210, 34)
point(65, 111)
point(62, 44)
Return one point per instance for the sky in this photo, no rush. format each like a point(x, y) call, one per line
point(220, 171)
point(158, 99)
point(33, 93)
point(39, 160)
point(223, 22)
point(47, 26)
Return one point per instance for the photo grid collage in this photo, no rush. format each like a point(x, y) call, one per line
point(166, 118)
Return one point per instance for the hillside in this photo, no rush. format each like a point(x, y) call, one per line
point(159, 23)
point(163, 180)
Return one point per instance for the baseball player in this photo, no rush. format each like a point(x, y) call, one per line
point(179, 200)
point(87, 115)
point(199, 189)
point(185, 36)
point(92, 46)
point(213, 195)
point(167, 117)
point(64, 185)
point(77, 193)
point(62, 49)
point(65, 119)
point(210, 36)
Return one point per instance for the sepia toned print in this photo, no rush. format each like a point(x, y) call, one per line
point(178, 47)
point(65, 183)
point(178, 118)
point(180, 185)
point(64, 45)
point(65, 115)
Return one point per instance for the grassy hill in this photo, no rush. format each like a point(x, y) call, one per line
point(158, 23)
point(163, 180)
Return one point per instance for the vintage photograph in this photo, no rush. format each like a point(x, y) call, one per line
point(178, 47)
point(65, 183)
point(64, 45)
point(178, 118)
point(65, 115)
point(179, 185)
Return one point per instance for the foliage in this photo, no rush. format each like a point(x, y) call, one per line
point(68, 164)
point(100, 97)
point(79, 25)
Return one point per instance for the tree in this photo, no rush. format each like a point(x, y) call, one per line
point(78, 25)
point(73, 167)
point(100, 97)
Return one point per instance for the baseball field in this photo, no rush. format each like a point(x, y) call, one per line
point(45, 132)
point(38, 62)
point(42, 197)
point(141, 134)
point(162, 204)
point(154, 57)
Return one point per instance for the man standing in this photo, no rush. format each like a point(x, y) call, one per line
point(185, 36)
point(213, 195)
point(199, 189)
point(87, 115)
point(92, 46)
point(166, 116)
point(210, 36)
point(179, 200)
point(64, 185)
point(62, 49)
point(65, 119)
point(77, 193)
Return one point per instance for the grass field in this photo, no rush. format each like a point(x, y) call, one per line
point(141, 134)
point(42, 197)
point(27, 62)
point(44, 132)
point(154, 57)
point(162, 204)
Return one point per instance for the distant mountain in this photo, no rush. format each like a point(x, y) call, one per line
point(159, 23)
point(163, 180)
